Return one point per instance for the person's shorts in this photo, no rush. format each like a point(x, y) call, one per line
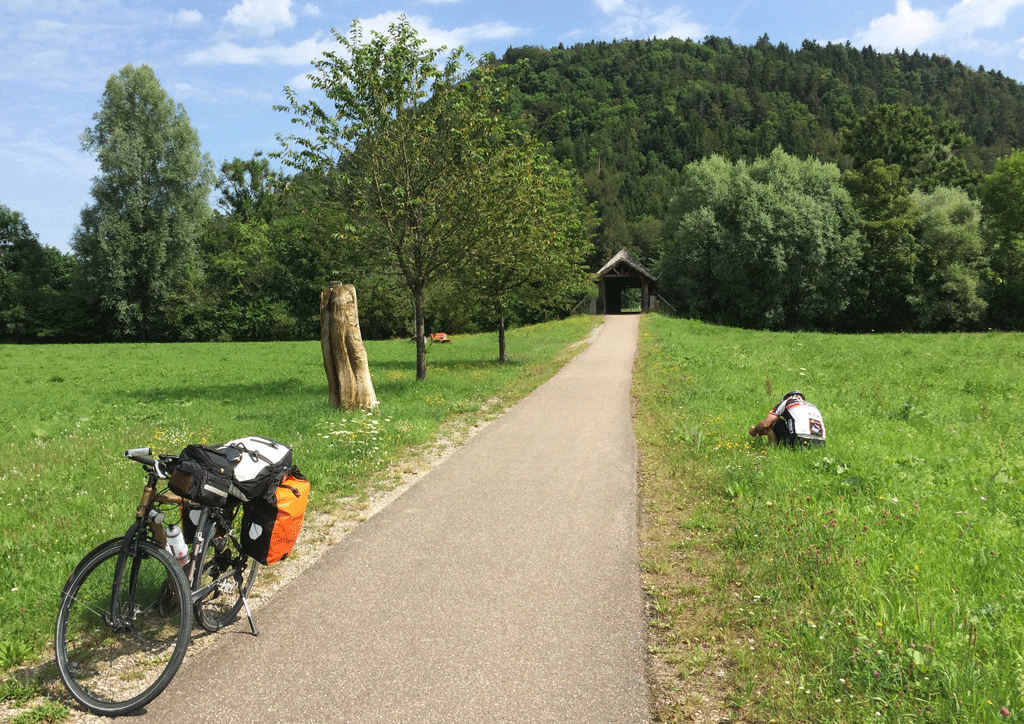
point(782, 433)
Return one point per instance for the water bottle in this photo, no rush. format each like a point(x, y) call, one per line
point(176, 545)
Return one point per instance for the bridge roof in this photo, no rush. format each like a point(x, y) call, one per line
point(625, 264)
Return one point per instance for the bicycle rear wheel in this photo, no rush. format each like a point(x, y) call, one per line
point(123, 626)
point(226, 572)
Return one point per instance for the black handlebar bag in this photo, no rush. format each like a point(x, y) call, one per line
point(205, 475)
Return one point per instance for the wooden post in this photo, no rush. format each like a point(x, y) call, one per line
point(348, 372)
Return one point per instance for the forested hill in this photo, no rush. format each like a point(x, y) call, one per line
point(636, 112)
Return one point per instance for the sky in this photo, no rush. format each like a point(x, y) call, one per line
point(228, 62)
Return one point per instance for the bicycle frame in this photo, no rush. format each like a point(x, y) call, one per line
point(117, 617)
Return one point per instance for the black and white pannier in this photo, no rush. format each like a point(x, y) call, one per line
point(259, 464)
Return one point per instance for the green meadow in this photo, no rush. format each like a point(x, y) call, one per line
point(878, 579)
point(74, 409)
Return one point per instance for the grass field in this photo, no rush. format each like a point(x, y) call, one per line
point(73, 410)
point(878, 579)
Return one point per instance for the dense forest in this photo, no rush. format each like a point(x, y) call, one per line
point(904, 166)
point(632, 115)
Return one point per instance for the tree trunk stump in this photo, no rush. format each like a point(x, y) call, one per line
point(348, 373)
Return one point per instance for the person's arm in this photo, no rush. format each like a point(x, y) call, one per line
point(764, 426)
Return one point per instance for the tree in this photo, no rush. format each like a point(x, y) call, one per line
point(538, 259)
point(412, 149)
point(772, 245)
point(924, 149)
point(1002, 199)
point(263, 262)
point(249, 188)
point(149, 202)
point(953, 267)
point(34, 279)
point(23, 274)
point(884, 281)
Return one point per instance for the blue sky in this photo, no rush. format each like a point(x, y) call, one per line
point(227, 62)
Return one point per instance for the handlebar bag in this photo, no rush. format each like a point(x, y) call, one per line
point(271, 523)
point(204, 474)
point(260, 464)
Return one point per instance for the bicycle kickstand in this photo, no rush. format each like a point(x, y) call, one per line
point(252, 624)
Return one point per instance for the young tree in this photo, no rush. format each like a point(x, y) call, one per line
point(411, 148)
point(23, 275)
point(149, 202)
point(249, 189)
point(34, 304)
point(884, 281)
point(539, 258)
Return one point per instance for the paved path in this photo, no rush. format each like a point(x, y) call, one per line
point(503, 587)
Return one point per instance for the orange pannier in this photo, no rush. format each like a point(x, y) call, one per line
point(271, 523)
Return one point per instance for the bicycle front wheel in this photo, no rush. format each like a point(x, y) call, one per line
point(123, 627)
point(222, 577)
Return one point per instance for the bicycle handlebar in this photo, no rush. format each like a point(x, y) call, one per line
point(141, 455)
point(144, 455)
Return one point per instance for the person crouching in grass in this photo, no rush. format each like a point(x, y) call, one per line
point(794, 422)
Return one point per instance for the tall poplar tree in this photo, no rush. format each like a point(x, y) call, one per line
point(149, 202)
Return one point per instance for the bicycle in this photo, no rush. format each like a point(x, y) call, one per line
point(127, 610)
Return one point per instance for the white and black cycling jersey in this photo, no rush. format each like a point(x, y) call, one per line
point(801, 417)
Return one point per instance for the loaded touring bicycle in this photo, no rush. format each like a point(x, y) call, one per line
point(127, 611)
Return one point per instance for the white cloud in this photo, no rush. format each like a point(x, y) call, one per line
point(906, 28)
point(261, 17)
point(636, 19)
point(229, 53)
point(188, 17)
point(310, 10)
point(911, 29)
point(436, 37)
point(484, 31)
point(972, 15)
point(674, 24)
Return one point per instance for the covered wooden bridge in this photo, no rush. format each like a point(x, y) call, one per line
point(623, 271)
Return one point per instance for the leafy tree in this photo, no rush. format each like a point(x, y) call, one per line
point(884, 281)
point(263, 262)
point(249, 188)
point(953, 266)
point(1002, 198)
point(537, 260)
point(771, 245)
point(412, 148)
point(23, 274)
point(34, 281)
point(904, 136)
point(149, 202)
